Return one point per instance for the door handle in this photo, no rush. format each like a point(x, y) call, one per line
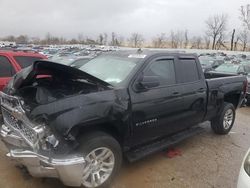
point(176, 94)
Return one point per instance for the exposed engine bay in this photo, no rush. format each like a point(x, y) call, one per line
point(50, 89)
point(46, 82)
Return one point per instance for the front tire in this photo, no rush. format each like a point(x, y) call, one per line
point(103, 159)
point(224, 122)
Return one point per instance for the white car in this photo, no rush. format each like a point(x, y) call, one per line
point(244, 176)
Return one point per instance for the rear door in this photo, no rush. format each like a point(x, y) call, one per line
point(6, 71)
point(194, 91)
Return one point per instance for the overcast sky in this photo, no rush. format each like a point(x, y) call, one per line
point(68, 18)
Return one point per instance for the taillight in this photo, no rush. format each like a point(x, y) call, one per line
point(245, 87)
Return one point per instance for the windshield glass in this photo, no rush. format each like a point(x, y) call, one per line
point(111, 69)
point(227, 68)
point(25, 61)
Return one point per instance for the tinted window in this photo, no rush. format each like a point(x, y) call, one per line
point(189, 70)
point(25, 61)
point(6, 69)
point(164, 69)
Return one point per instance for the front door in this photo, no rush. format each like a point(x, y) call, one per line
point(156, 109)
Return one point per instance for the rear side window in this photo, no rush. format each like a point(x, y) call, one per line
point(164, 69)
point(189, 70)
point(6, 69)
point(25, 61)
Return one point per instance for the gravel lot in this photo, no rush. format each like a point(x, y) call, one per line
point(207, 161)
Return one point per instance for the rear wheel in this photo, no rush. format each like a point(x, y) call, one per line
point(103, 157)
point(223, 123)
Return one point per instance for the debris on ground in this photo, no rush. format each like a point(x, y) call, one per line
point(173, 152)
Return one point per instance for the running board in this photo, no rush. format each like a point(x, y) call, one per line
point(162, 144)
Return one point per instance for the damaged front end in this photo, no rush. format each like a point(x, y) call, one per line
point(23, 141)
point(40, 106)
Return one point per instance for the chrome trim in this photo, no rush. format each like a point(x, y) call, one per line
point(11, 107)
point(69, 169)
point(11, 138)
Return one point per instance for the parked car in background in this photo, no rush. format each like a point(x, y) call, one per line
point(209, 63)
point(12, 62)
point(248, 91)
point(244, 175)
point(231, 68)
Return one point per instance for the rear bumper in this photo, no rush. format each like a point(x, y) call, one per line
point(69, 169)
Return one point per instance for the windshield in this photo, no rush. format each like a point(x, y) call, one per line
point(111, 69)
point(25, 61)
point(227, 68)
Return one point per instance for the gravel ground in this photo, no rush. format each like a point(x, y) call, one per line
point(207, 160)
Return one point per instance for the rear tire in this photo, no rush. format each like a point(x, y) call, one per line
point(224, 122)
point(103, 156)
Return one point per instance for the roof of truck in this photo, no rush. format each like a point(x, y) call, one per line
point(143, 53)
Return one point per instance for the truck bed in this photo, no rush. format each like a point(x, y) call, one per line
point(220, 84)
point(213, 74)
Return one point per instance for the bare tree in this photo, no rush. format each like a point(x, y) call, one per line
point(113, 39)
point(177, 39)
point(245, 15)
point(186, 42)
point(101, 39)
point(207, 41)
point(196, 42)
point(159, 41)
point(232, 40)
point(10, 38)
point(216, 27)
point(80, 38)
point(105, 38)
point(22, 39)
point(221, 42)
point(136, 40)
point(236, 43)
point(48, 38)
point(243, 38)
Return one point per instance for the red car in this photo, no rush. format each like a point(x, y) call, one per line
point(12, 62)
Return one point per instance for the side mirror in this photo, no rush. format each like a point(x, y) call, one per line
point(147, 82)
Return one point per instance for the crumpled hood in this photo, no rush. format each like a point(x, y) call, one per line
point(43, 67)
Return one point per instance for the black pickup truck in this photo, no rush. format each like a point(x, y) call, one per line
point(78, 124)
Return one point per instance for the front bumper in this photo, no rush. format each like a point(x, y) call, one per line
point(69, 169)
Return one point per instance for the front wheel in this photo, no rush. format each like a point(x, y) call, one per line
point(223, 123)
point(103, 157)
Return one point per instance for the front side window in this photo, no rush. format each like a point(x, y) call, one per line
point(164, 70)
point(6, 69)
point(189, 70)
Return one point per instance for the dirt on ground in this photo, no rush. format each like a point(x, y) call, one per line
point(207, 161)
